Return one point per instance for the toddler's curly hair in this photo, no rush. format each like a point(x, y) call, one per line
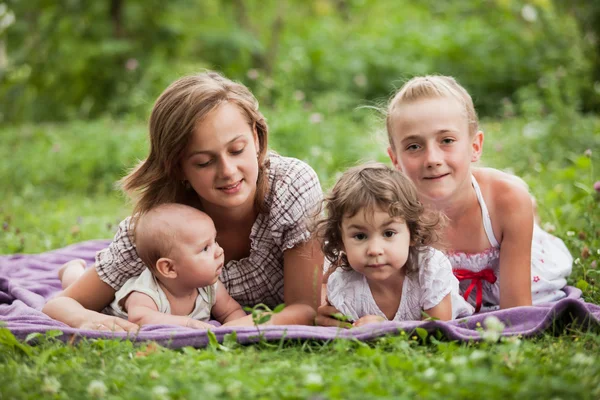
point(367, 188)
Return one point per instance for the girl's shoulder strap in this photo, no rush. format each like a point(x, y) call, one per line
point(485, 215)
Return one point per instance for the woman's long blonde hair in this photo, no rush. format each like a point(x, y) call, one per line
point(176, 113)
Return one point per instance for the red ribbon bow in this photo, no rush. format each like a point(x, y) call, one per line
point(476, 280)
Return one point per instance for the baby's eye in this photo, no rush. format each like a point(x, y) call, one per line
point(360, 236)
point(206, 248)
point(388, 234)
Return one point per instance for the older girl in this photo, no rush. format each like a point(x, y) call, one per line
point(208, 149)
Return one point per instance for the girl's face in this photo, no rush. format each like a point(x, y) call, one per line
point(376, 244)
point(221, 162)
point(432, 146)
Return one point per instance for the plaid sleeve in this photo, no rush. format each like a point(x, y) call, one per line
point(119, 261)
point(296, 194)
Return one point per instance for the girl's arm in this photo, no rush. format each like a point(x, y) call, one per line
point(515, 211)
point(302, 276)
point(302, 280)
point(443, 310)
point(78, 306)
point(142, 310)
point(226, 310)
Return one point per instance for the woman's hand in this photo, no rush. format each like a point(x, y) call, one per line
point(368, 319)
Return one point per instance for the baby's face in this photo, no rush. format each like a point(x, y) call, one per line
point(432, 146)
point(375, 243)
point(197, 255)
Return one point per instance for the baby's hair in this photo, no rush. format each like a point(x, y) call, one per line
point(366, 188)
point(431, 87)
point(156, 231)
point(175, 115)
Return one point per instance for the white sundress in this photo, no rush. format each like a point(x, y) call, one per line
point(551, 263)
point(349, 292)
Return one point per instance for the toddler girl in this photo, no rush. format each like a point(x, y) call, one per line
point(502, 258)
point(377, 234)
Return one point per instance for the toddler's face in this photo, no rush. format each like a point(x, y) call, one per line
point(432, 146)
point(198, 257)
point(376, 244)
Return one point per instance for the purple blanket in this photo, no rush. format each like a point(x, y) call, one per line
point(27, 281)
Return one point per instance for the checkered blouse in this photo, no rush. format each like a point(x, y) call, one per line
point(294, 191)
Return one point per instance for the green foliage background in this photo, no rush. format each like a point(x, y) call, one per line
point(78, 59)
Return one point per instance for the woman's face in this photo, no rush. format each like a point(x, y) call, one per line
point(221, 162)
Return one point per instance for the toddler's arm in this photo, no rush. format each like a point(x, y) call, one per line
point(515, 211)
point(142, 310)
point(226, 309)
point(443, 310)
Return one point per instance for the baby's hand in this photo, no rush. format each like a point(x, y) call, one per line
point(195, 324)
point(368, 319)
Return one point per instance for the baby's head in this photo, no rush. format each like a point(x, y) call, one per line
point(374, 199)
point(434, 135)
point(176, 241)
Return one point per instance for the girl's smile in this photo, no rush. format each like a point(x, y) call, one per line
point(433, 147)
point(222, 163)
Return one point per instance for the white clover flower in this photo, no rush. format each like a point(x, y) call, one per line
point(252, 74)
point(316, 118)
point(529, 13)
point(313, 379)
point(582, 359)
point(458, 361)
point(549, 227)
point(493, 329)
point(477, 355)
point(51, 385)
point(492, 323)
point(570, 233)
point(490, 336)
point(160, 393)
point(154, 374)
point(429, 373)
point(97, 389)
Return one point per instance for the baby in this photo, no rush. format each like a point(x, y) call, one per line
point(181, 284)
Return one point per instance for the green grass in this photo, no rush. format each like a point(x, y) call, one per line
point(58, 184)
point(394, 367)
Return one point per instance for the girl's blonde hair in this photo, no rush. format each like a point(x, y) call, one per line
point(176, 113)
point(368, 187)
point(431, 87)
